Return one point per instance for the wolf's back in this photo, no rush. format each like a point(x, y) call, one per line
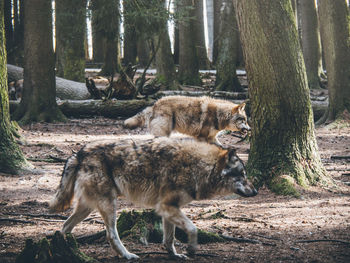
point(139, 120)
point(65, 192)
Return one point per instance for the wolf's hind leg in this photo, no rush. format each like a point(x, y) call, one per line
point(107, 209)
point(174, 216)
point(81, 211)
point(161, 126)
point(168, 239)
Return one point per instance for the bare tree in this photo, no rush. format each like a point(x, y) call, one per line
point(39, 92)
point(336, 47)
point(70, 38)
point(188, 60)
point(226, 77)
point(283, 149)
point(200, 36)
point(310, 41)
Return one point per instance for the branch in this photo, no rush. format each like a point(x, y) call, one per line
point(16, 220)
point(323, 240)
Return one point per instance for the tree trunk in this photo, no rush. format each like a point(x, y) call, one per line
point(226, 78)
point(166, 72)
point(188, 60)
point(210, 25)
point(65, 89)
point(70, 49)
point(283, 149)
point(216, 33)
point(39, 92)
point(11, 157)
point(203, 61)
point(336, 47)
point(8, 29)
point(310, 42)
point(130, 36)
point(107, 22)
point(98, 45)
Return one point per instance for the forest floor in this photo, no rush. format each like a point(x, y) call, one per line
point(313, 228)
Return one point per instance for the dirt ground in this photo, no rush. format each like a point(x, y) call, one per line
point(313, 228)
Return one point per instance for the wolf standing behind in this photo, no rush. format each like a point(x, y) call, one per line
point(160, 173)
point(200, 117)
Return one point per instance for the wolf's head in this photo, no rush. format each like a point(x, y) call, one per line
point(238, 121)
point(234, 176)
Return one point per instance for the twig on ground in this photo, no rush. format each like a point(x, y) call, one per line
point(340, 157)
point(91, 238)
point(323, 240)
point(246, 240)
point(14, 220)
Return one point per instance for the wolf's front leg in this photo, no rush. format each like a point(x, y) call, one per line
point(168, 239)
point(174, 216)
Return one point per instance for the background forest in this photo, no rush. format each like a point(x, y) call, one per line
point(71, 71)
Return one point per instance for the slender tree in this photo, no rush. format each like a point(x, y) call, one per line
point(334, 19)
point(38, 101)
point(283, 150)
point(8, 30)
point(70, 38)
point(226, 77)
point(188, 60)
point(11, 157)
point(310, 41)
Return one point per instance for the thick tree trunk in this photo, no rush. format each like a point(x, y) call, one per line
point(98, 41)
point(283, 149)
point(11, 157)
point(310, 42)
point(38, 101)
point(216, 33)
point(336, 46)
point(107, 21)
point(188, 60)
point(203, 61)
point(166, 72)
point(226, 78)
point(65, 89)
point(130, 36)
point(70, 50)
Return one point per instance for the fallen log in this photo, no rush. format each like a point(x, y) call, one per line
point(214, 94)
point(89, 108)
point(65, 89)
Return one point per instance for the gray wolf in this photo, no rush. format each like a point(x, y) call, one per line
point(200, 117)
point(160, 173)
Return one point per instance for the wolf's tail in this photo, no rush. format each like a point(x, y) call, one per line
point(139, 120)
point(65, 192)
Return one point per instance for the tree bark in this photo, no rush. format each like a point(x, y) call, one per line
point(11, 157)
point(336, 46)
point(203, 61)
point(130, 35)
point(166, 72)
point(216, 33)
point(107, 21)
point(70, 49)
point(188, 60)
point(283, 149)
point(65, 89)
point(310, 42)
point(38, 101)
point(226, 78)
point(98, 41)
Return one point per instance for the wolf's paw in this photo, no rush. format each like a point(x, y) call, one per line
point(131, 256)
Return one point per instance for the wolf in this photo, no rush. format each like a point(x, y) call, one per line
point(160, 173)
point(200, 117)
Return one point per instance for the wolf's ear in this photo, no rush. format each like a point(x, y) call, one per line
point(241, 106)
